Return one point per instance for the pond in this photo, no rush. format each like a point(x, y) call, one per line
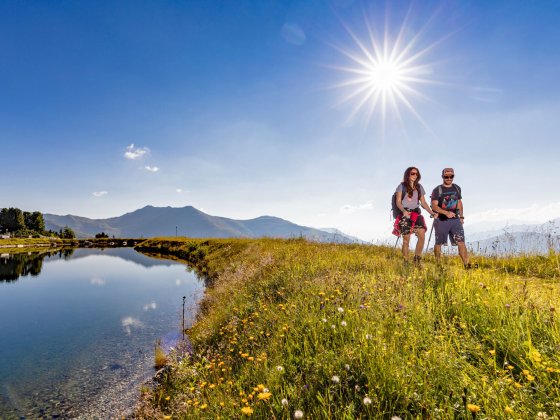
point(78, 329)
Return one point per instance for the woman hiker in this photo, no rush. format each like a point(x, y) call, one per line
point(409, 197)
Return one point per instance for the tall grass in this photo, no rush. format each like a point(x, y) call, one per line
point(345, 331)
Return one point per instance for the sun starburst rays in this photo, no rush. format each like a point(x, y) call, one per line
point(385, 75)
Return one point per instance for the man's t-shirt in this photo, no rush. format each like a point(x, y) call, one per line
point(410, 202)
point(448, 200)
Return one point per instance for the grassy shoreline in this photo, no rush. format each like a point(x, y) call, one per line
point(290, 327)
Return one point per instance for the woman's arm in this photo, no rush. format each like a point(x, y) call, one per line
point(400, 206)
point(426, 207)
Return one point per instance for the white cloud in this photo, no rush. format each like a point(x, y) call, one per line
point(129, 322)
point(179, 190)
point(99, 193)
point(151, 168)
point(151, 305)
point(136, 153)
point(97, 281)
point(349, 208)
point(534, 213)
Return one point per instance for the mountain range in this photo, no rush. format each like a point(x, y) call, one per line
point(188, 221)
point(517, 239)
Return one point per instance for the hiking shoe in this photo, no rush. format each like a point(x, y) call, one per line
point(417, 260)
point(470, 266)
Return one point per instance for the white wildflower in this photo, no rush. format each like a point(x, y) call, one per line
point(340, 309)
point(347, 367)
point(279, 368)
point(367, 401)
point(343, 323)
point(298, 414)
point(335, 379)
point(284, 402)
point(324, 319)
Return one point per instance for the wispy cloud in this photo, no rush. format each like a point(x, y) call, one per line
point(179, 190)
point(349, 208)
point(98, 281)
point(99, 193)
point(151, 168)
point(135, 153)
point(534, 213)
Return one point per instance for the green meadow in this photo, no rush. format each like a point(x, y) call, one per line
point(295, 329)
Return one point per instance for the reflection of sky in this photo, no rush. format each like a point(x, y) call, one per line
point(62, 316)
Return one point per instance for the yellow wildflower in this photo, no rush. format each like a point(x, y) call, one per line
point(260, 387)
point(166, 417)
point(530, 378)
point(473, 408)
point(492, 352)
point(508, 410)
point(247, 411)
point(167, 398)
point(264, 395)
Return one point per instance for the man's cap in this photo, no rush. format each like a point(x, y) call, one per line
point(447, 170)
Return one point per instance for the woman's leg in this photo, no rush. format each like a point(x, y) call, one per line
point(421, 235)
point(405, 245)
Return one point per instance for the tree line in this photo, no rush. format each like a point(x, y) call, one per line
point(24, 223)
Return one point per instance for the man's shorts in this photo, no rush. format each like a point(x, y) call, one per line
point(405, 224)
point(451, 228)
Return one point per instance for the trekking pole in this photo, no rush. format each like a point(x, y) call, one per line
point(430, 237)
point(398, 237)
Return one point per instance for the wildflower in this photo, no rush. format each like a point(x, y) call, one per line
point(324, 320)
point(167, 398)
point(333, 326)
point(396, 418)
point(204, 406)
point(347, 367)
point(298, 414)
point(473, 408)
point(335, 379)
point(530, 378)
point(264, 395)
point(542, 415)
point(260, 388)
point(508, 306)
point(247, 411)
point(368, 337)
point(492, 352)
point(166, 417)
point(357, 387)
point(340, 309)
point(343, 323)
point(284, 402)
point(279, 368)
point(508, 410)
point(367, 401)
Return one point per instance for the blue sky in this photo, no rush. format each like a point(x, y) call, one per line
point(231, 107)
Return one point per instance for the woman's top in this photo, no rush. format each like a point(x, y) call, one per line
point(410, 202)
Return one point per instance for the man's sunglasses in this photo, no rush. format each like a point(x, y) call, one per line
point(449, 177)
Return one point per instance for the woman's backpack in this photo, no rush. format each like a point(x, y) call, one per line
point(394, 208)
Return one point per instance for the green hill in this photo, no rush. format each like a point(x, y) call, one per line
point(290, 327)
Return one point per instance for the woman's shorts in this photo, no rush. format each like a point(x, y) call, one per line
point(406, 223)
point(450, 228)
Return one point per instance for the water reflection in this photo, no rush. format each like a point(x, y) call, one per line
point(14, 266)
point(80, 329)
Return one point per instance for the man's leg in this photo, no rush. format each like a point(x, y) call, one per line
point(437, 252)
point(463, 253)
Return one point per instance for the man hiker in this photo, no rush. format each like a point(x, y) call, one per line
point(447, 202)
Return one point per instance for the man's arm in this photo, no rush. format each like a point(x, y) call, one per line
point(438, 209)
point(460, 208)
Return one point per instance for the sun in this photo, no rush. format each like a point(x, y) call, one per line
point(385, 74)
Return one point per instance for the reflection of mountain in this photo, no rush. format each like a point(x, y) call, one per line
point(127, 254)
point(187, 221)
point(13, 266)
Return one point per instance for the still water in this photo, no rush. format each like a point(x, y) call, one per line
point(77, 329)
